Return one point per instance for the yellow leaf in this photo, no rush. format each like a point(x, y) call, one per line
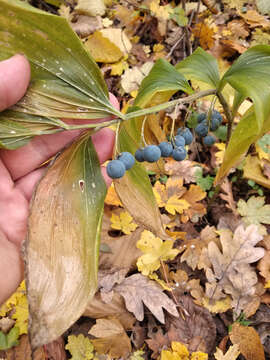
point(220, 154)
point(102, 49)
point(119, 67)
point(217, 306)
point(158, 47)
point(161, 282)
point(21, 314)
point(198, 355)
point(267, 285)
point(262, 154)
point(176, 205)
point(112, 197)
point(123, 222)
point(252, 170)
point(162, 12)
point(80, 347)
point(205, 34)
point(15, 299)
point(155, 250)
point(168, 355)
point(180, 349)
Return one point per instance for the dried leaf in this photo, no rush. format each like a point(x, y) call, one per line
point(226, 187)
point(138, 290)
point(132, 78)
point(231, 273)
point(112, 197)
point(123, 222)
point(91, 8)
point(264, 266)
point(254, 211)
point(195, 210)
point(112, 338)
point(231, 354)
point(80, 347)
point(205, 34)
point(184, 169)
point(155, 250)
point(254, 19)
point(253, 171)
point(248, 340)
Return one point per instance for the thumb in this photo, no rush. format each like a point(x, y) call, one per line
point(14, 79)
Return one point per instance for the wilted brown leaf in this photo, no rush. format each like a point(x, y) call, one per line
point(231, 354)
point(248, 341)
point(112, 338)
point(254, 19)
point(184, 169)
point(253, 171)
point(231, 273)
point(238, 28)
point(138, 290)
point(86, 25)
point(226, 187)
point(264, 266)
point(196, 209)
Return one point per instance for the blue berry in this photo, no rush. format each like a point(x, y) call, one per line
point(166, 148)
point(116, 169)
point(127, 158)
point(187, 135)
point(216, 114)
point(201, 117)
point(151, 153)
point(209, 140)
point(139, 155)
point(179, 153)
point(214, 124)
point(201, 129)
point(179, 141)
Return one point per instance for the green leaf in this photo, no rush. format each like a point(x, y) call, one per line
point(200, 66)
point(9, 340)
point(162, 78)
point(65, 80)
point(205, 183)
point(63, 241)
point(250, 76)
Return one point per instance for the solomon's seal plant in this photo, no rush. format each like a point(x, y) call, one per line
point(62, 245)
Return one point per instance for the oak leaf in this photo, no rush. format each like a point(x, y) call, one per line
point(123, 222)
point(112, 338)
point(138, 290)
point(254, 211)
point(155, 250)
point(231, 354)
point(231, 273)
point(80, 347)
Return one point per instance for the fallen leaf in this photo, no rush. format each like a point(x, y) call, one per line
point(230, 272)
point(195, 210)
point(112, 197)
point(263, 6)
point(248, 340)
point(80, 347)
point(102, 49)
point(112, 338)
point(220, 154)
point(119, 38)
point(185, 169)
point(264, 266)
point(86, 25)
point(92, 8)
point(254, 19)
point(138, 290)
point(254, 211)
point(205, 35)
point(123, 222)
point(253, 171)
point(226, 187)
point(132, 78)
point(231, 354)
point(155, 250)
point(21, 315)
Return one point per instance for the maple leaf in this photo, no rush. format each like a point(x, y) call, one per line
point(80, 347)
point(231, 354)
point(168, 195)
point(254, 211)
point(231, 273)
point(112, 338)
point(155, 250)
point(123, 222)
point(196, 210)
point(13, 300)
point(138, 290)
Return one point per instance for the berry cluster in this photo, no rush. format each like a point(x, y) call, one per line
point(174, 148)
point(202, 128)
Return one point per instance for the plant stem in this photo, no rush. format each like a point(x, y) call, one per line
point(228, 115)
point(168, 104)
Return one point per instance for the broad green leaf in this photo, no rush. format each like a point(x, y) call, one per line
point(65, 79)
point(250, 76)
point(9, 340)
point(242, 137)
point(200, 66)
point(63, 241)
point(162, 78)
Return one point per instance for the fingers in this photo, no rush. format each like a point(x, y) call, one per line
point(14, 79)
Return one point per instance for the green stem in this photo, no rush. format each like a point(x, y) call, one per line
point(228, 115)
point(168, 104)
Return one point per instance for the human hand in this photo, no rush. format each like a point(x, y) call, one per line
point(19, 173)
